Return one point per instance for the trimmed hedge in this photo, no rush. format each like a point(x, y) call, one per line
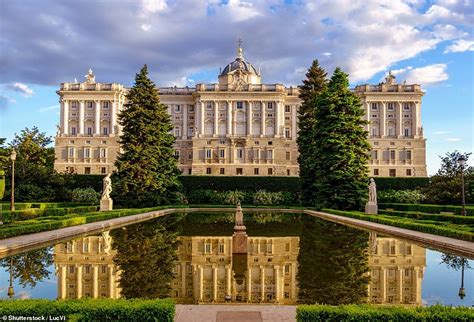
point(432, 209)
point(42, 205)
point(32, 213)
point(367, 312)
point(93, 309)
point(456, 219)
point(401, 183)
point(433, 228)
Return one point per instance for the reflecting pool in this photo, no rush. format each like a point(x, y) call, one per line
point(282, 259)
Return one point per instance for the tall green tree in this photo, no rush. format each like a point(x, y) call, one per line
point(314, 84)
point(445, 185)
point(147, 167)
point(341, 148)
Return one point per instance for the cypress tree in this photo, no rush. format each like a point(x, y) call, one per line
point(341, 148)
point(313, 85)
point(147, 168)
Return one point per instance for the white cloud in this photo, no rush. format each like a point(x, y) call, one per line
point(441, 132)
point(460, 46)
point(5, 101)
point(48, 108)
point(153, 6)
point(424, 76)
point(146, 27)
point(452, 139)
point(21, 88)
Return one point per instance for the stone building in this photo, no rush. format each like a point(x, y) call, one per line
point(238, 126)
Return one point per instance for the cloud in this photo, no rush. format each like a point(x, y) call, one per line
point(5, 101)
point(21, 88)
point(441, 132)
point(48, 108)
point(452, 139)
point(460, 46)
point(425, 76)
point(182, 38)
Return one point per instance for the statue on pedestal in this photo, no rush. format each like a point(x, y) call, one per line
point(371, 207)
point(105, 200)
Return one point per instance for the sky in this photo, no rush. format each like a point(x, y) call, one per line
point(431, 43)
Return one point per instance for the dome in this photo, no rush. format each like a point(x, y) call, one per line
point(240, 64)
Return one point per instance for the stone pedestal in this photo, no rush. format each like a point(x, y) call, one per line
point(371, 208)
point(106, 204)
point(239, 242)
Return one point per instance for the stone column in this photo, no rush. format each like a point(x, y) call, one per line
point(262, 283)
point(263, 118)
point(214, 283)
point(229, 280)
point(276, 118)
point(201, 283)
point(367, 118)
point(184, 134)
point(81, 117)
point(399, 119)
point(249, 118)
point(111, 281)
point(229, 118)
point(293, 281)
point(97, 117)
point(65, 119)
point(197, 121)
point(383, 119)
point(216, 118)
point(113, 117)
point(183, 279)
point(202, 117)
point(79, 281)
point(417, 282)
point(383, 284)
point(416, 116)
point(249, 284)
point(63, 286)
point(277, 282)
point(400, 286)
point(279, 118)
point(294, 124)
point(95, 281)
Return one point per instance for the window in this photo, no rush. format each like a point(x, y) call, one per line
point(287, 269)
point(208, 170)
point(74, 105)
point(73, 130)
point(103, 170)
point(177, 132)
point(240, 105)
point(71, 271)
point(177, 108)
point(87, 153)
point(392, 249)
point(408, 154)
point(190, 171)
point(191, 108)
point(392, 172)
point(105, 131)
point(222, 170)
point(269, 154)
point(240, 153)
point(222, 153)
point(71, 152)
point(85, 247)
point(239, 171)
point(270, 105)
point(287, 109)
point(270, 171)
point(177, 153)
point(208, 153)
point(270, 142)
point(375, 131)
point(391, 106)
point(89, 104)
point(392, 154)
point(287, 133)
point(105, 105)
point(221, 248)
point(374, 106)
point(288, 155)
point(255, 171)
point(407, 132)
point(190, 131)
point(406, 106)
point(408, 172)
point(374, 115)
point(409, 250)
point(103, 152)
point(376, 154)
point(376, 172)
point(287, 172)
point(190, 155)
point(89, 131)
point(207, 248)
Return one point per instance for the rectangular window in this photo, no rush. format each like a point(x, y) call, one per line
point(288, 155)
point(255, 171)
point(391, 106)
point(374, 106)
point(177, 153)
point(270, 171)
point(239, 171)
point(89, 131)
point(392, 172)
point(287, 109)
point(191, 108)
point(71, 271)
point(177, 108)
point(90, 104)
point(287, 133)
point(287, 172)
point(408, 154)
point(240, 153)
point(270, 105)
point(87, 170)
point(409, 250)
point(71, 152)
point(103, 170)
point(269, 154)
point(73, 130)
point(287, 269)
point(105, 131)
point(240, 105)
point(208, 170)
point(105, 105)
point(376, 154)
point(408, 172)
point(407, 132)
point(190, 155)
point(222, 153)
point(376, 172)
point(222, 170)
point(177, 132)
point(392, 154)
point(221, 248)
point(190, 131)
point(85, 247)
point(207, 248)
point(74, 105)
point(406, 106)
point(208, 153)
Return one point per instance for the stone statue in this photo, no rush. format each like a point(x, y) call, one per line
point(390, 79)
point(90, 78)
point(107, 241)
point(371, 207)
point(107, 184)
point(372, 191)
point(58, 130)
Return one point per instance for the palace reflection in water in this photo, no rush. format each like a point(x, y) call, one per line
point(207, 270)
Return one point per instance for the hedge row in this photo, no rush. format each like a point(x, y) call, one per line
point(42, 205)
point(34, 226)
point(432, 209)
point(423, 227)
point(456, 219)
point(92, 309)
point(369, 313)
point(32, 213)
point(260, 197)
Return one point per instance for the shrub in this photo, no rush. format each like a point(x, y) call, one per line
point(401, 183)
point(85, 195)
point(433, 209)
point(456, 219)
point(400, 196)
point(382, 313)
point(262, 197)
point(232, 197)
point(93, 309)
point(2, 184)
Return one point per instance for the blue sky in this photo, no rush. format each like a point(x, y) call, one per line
point(186, 42)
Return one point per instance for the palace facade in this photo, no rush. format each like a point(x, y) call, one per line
point(238, 126)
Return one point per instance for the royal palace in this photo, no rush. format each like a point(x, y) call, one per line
point(238, 126)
